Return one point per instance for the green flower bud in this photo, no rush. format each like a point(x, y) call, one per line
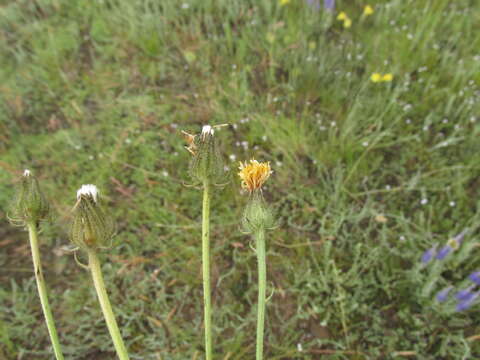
point(92, 228)
point(30, 204)
point(206, 163)
point(257, 215)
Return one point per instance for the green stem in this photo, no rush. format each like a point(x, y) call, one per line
point(206, 269)
point(262, 286)
point(42, 290)
point(96, 271)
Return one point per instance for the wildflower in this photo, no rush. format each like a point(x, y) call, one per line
point(464, 305)
point(475, 277)
point(206, 163)
point(429, 254)
point(347, 23)
point(92, 227)
point(30, 204)
point(465, 294)
point(442, 295)
point(254, 175)
point(444, 251)
point(329, 4)
point(367, 10)
point(376, 77)
point(342, 16)
point(284, 2)
point(387, 77)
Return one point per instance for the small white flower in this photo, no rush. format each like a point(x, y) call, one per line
point(388, 187)
point(165, 173)
point(232, 157)
point(89, 190)
point(452, 203)
point(185, 6)
point(27, 173)
point(424, 201)
point(402, 238)
point(365, 143)
point(299, 347)
point(264, 137)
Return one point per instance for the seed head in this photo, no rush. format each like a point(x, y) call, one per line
point(92, 228)
point(254, 174)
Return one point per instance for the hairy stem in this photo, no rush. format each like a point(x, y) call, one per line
point(262, 285)
point(42, 290)
point(96, 271)
point(206, 269)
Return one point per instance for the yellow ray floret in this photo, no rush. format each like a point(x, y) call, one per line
point(254, 174)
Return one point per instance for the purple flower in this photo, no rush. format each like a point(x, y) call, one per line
point(465, 294)
point(329, 4)
point(444, 251)
point(429, 254)
point(443, 294)
point(464, 305)
point(475, 277)
point(459, 238)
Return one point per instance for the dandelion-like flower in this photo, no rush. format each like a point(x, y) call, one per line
point(30, 204)
point(387, 77)
point(254, 174)
point(206, 163)
point(92, 227)
point(376, 77)
point(367, 10)
point(347, 22)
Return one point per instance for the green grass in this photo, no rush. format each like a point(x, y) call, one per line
point(97, 92)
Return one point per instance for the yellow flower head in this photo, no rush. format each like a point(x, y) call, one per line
point(254, 174)
point(376, 77)
point(387, 77)
point(347, 23)
point(342, 16)
point(367, 10)
point(284, 2)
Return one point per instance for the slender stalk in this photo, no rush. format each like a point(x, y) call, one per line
point(206, 269)
point(262, 286)
point(96, 271)
point(42, 291)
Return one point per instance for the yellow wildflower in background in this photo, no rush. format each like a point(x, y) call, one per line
point(387, 77)
point(284, 2)
point(376, 77)
point(342, 16)
point(254, 174)
point(347, 22)
point(367, 10)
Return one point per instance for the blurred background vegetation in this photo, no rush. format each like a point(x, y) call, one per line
point(367, 175)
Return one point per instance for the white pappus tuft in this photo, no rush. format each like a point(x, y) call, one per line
point(27, 173)
point(207, 130)
point(89, 190)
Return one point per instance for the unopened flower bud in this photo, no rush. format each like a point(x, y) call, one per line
point(257, 215)
point(92, 228)
point(206, 163)
point(30, 204)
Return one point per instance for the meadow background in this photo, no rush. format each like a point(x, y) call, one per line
point(367, 175)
